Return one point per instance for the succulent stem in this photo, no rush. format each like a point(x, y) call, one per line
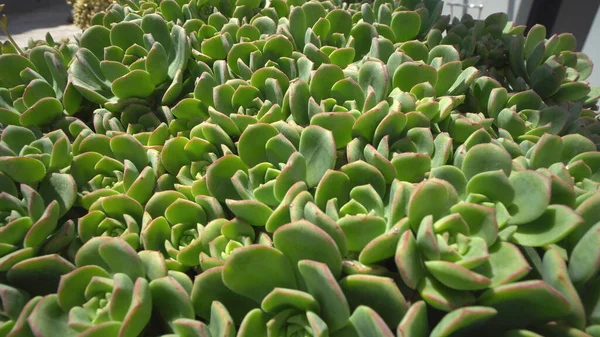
point(4, 27)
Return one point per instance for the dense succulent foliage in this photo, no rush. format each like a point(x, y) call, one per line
point(298, 168)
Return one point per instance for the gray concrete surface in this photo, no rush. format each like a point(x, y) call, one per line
point(40, 20)
point(23, 6)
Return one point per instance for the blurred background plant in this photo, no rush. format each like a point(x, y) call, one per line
point(84, 10)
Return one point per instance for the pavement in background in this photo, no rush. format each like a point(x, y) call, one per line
point(36, 23)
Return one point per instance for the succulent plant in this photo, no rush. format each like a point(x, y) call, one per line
point(321, 308)
point(84, 10)
point(129, 70)
point(105, 166)
point(111, 291)
point(13, 302)
point(33, 237)
point(30, 158)
point(244, 168)
point(36, 90)
point(183, 230)
point(108, 291)
point(551, 67)
point(220, 324)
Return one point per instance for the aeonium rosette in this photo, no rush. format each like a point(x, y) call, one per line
point(456, 246)
point(286, 311)
point(175, 226)
point(131, 69)
point(526, 115)
point(32, 235)
point(398, 143)
point(107, 166)
point(550, 307)
point(486, 48)
point(303, 300)
point(249, 194)
point(455, 249)
point(29, 156)
point(573, 164)
point(256, 185)
point(221, 237)
point(260, 263)
point(185, 158)
point(12, 302)
point(110, 290)
point(307, 299)
point(458, 239)
point(204, 135)
point(220, 324)
point(551, 67)
point(533, 208)
point(112, 216)
point(36, 91)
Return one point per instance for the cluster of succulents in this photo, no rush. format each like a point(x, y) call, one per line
point(87, 12)
point(298, 168)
